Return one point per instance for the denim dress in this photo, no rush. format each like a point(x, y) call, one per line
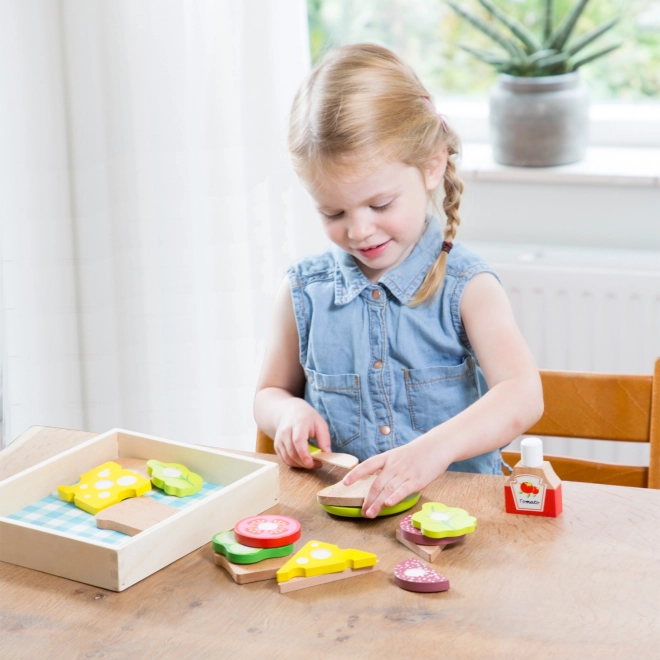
point(382, 373)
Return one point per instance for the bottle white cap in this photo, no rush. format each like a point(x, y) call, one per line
point(531, 452)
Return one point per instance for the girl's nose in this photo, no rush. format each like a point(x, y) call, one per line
point(359, 227)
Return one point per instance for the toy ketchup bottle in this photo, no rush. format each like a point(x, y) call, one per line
point(533, 487)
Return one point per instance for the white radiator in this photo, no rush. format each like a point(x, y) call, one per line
point(584, 310)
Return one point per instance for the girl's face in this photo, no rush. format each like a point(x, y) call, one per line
point(378, 217)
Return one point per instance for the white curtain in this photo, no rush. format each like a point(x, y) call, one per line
point(148, 209)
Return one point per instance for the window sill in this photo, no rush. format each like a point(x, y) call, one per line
point(610, 124)
point(607, 166)
point(562, 257)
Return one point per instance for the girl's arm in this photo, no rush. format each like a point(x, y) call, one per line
point(513, 403)
point(279, 409)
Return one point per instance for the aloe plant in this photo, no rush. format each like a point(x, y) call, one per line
point(524, 53)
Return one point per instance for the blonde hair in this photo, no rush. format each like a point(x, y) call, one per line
point(361, 107)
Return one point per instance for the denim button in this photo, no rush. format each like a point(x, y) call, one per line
point(375, 294)
point(378, 364)
point(385, 430)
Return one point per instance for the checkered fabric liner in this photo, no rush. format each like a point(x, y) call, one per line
point(53, 513)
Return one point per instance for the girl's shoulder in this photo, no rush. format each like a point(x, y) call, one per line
point(462, 266)
point(463, 263)
point(313, 268)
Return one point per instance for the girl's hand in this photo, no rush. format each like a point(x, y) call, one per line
point(300, 422)
point(404, 471)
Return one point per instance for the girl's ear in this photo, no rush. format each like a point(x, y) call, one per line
point(435, 170)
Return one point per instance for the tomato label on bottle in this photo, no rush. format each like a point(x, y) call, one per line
point(528, 492)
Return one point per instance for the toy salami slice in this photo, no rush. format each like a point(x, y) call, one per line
point(412, 534)
point(415, 575)
point(267, 531)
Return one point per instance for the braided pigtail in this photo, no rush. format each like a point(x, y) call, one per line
point(436, 274)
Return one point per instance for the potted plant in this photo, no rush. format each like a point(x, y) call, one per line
point(539, 105)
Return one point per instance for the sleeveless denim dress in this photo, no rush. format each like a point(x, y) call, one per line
point(379, 372)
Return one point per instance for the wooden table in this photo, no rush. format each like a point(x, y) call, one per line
point(584, 585)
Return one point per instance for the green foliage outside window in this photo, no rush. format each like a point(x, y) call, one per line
point(426, 33)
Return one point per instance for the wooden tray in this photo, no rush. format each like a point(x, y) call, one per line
point(249, 487)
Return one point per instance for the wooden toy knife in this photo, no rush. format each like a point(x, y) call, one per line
point(346, 461)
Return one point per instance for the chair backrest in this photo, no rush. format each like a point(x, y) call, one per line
point(264, 443)
point(595, 407)
point(601, 407)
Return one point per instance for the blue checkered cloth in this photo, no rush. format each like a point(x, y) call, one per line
point(53, 513)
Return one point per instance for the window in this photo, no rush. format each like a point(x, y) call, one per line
point(624, 85)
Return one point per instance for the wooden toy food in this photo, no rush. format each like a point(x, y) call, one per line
point(533, 488)
point(427, 552)
point(415, 575)
point(356, 511)
point(134, 515)
point(267, 531)
point(174, 479)
point(104, 486)
point(247, 573)
point(138, 465)
point(319, 563)
point(411, 533)
point(318, 558)
point(440, 521)
point(347, 501)
point(226, 544)
point(424, 546)
point(340, 495)
point(347, 461)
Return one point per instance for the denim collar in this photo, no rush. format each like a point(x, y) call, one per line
point(401, 281)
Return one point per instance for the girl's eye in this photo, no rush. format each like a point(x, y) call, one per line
point(335, 216)
point(381, 208)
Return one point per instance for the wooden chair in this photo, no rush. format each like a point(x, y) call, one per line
point(596, 407)
point(264, 443)
point(601, 407)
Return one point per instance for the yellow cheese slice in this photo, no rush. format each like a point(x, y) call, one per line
point(318, 558)
point(104, 486)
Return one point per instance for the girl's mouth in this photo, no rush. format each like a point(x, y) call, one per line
point(376, 251)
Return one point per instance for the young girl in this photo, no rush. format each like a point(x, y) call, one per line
point(396, 345)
